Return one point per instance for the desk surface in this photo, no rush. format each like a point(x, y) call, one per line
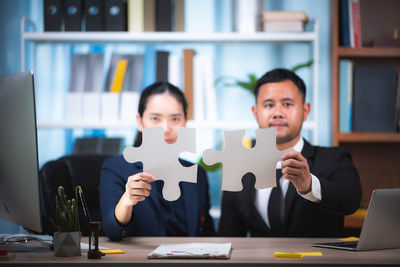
point(244, 250)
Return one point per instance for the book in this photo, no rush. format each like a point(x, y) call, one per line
point(188, 55)
point(345, 94)
point(135, 15)
point(344, 35)
point(374, 98)
point(356, 23)
point(149, 16)
point(283, 15)
point(283, 26)
point(119, 76)
point(163, 15)
point(115, 15)
point(73, 15)
point(94, 15)
point(351, 23)
point(162, 66)
point(179, 16)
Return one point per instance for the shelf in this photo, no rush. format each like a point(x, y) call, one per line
point(223, 125)
point(370, 52)
point(169, 37)
point(358, 137)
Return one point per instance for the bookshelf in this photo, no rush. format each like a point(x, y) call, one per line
point(375, 155)
point(309, 37)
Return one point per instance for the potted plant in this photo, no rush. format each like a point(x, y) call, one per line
point(67, 239)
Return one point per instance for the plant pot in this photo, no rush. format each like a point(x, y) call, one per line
point(67, 244)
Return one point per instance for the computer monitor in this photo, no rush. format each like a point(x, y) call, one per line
point(19, 175)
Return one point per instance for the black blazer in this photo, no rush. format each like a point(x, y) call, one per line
point(146, 219)
point(341, 195)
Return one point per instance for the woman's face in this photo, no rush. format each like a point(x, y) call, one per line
point(163, 110)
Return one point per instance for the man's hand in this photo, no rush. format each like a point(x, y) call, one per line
point(295, 169)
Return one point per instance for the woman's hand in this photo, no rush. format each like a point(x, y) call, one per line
point(137, 188)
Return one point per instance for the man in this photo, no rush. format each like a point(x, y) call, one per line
point(317, 186)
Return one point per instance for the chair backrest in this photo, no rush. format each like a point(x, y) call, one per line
point(71, 171)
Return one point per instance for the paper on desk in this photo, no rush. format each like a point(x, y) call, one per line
point(193, 250)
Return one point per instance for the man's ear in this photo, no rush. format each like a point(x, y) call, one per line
point(306, 108)
point(139, 122)
point(254, 111)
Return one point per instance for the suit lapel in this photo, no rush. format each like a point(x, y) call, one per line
point(191, 203)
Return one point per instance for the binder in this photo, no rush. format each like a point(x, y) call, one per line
point(94, 15)
point(163, 15)
point(115, 15)
point(72, 10)
point(53, 17)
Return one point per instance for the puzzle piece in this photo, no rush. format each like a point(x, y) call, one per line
point(237, 160)
point(161, 159)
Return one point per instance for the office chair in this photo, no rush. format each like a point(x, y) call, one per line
point(70, 171)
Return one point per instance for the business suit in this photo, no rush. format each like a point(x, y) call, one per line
point(341, 195)
point(146, 214)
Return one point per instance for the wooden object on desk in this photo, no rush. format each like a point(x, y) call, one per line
point(375, 155)
point(244, 250)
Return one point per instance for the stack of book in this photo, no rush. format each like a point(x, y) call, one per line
point(284, 21)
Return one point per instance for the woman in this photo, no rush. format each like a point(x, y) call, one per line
point(131, 201)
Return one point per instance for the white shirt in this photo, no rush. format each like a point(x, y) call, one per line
point(262, 195)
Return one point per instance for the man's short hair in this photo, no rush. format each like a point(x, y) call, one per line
point(280, 75)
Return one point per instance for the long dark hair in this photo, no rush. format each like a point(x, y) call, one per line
point(154, 89)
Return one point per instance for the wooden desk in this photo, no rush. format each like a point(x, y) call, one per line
point(256, 251)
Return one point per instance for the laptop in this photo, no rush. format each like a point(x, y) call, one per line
point(381, 227)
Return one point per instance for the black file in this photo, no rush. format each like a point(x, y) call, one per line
point(94, 15)
point(53, 17)
point(72, 15)
point(115, 15)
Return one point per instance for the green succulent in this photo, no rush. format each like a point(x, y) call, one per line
point(66, 213)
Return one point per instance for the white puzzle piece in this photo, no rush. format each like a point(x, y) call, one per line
point(237, 160)
point(161, 159)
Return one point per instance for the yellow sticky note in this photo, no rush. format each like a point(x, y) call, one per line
point(351, 238)
point(287, 255)
point(316, 253)
point(112, 251)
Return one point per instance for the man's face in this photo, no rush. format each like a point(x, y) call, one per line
point(280, 105)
